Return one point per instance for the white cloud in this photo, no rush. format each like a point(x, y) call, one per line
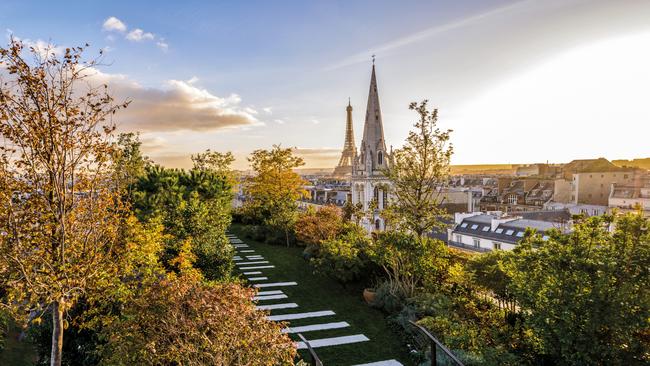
point(177, 106)
point(314, 120)
point(193, 80)
point(114, 24)
point(162, 45)
point(267, 110)
point(138, 35)
point(279, 121)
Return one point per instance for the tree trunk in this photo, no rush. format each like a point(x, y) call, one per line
point(57, 334)
point(286, 236)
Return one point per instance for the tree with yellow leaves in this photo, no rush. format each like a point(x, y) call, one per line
point(59, 211)
point(275, 188)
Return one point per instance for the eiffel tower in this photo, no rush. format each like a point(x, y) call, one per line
point(344, 168)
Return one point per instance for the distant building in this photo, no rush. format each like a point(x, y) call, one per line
point(631, 197)
point(482, 232)
point(368, 181)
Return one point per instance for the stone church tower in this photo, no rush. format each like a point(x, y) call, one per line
point(369, 185)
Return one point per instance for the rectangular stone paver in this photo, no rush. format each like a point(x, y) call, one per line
point(257, 278)
point(334, 341)
point(269, 297)
point(270, 292)
point(252, 273)
point(275, 284)
point(311, 314)
point(313, 327)
point(247, 251)
point(382, 363)
point(255, 262)
point(289, 305)
point(257, 267)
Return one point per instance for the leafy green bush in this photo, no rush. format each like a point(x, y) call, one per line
point(388, 298)
point(343, 258)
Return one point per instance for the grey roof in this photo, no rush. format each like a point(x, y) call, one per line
point(517, 226)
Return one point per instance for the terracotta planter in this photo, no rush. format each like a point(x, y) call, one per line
point(369, 295)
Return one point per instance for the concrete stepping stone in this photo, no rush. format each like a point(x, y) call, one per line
point(311, 314)
point(254, 257)
point(269, 297)
point(257, 267)
point(334, 341)
point(247, 251)
point(252, 273)
point(275, 284)
point(313, 327)
point(289, 305)
point(382, 363)
point(270, 292)
point(257, 278)
point(249, 263)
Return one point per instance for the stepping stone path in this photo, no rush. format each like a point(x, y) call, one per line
point(253, 264)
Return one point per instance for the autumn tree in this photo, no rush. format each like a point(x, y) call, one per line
point(59, 213)
point(275, 188)
point(316, 225)
point(417, 172)
point(182, 320)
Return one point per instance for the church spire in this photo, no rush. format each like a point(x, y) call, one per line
point(373, 129)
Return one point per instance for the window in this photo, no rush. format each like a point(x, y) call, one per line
point(624, 176)
point(474, 227)
point(459, 238)
point(499, 231)
point(496, 245)
point(464, 224)
point(485, 228)
point(477, 243)
point(380, 158)
point(520, 234)
point(509, 232)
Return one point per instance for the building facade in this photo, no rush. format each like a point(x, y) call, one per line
point(369, 186)
point(483, 232)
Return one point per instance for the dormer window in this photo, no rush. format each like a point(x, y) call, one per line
point(380, 158)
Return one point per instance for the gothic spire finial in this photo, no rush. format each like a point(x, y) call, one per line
point(373, 59)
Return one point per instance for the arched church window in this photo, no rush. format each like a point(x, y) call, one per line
point(377, 224)
point(380, 158)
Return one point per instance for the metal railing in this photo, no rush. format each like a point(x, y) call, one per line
point(435, 345)
point(314, 360)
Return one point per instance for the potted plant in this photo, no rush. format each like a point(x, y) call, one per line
point(369, 294)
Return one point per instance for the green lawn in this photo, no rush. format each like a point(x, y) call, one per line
point(315, 293)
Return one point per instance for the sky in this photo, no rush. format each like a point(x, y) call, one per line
point(517, 81)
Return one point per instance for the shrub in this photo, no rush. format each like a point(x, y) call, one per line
point(314, 226)
point(344, 258)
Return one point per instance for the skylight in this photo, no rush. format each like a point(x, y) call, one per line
point(509, 232)
point(485, 228)
point(499, 231)
point(474, 227)
point(464, 224)
point(520, 234)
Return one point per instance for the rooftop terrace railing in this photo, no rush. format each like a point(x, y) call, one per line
point(440, 355)
point(313, 357)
